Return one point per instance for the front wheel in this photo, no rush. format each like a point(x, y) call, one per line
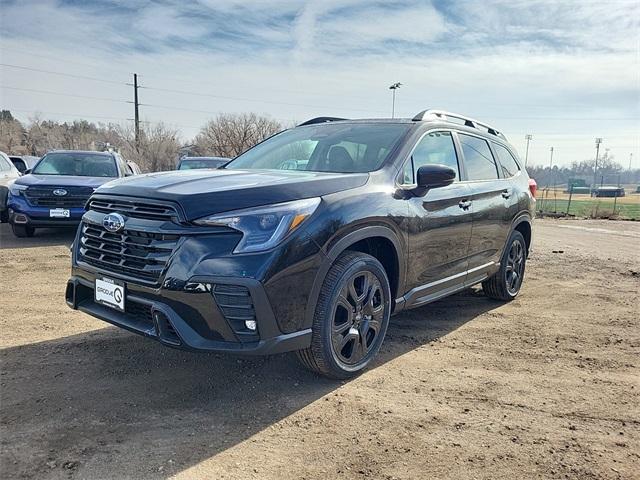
point(506, 283)
point(351, 317)
point(22, 231)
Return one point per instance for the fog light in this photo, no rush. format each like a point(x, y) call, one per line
point(250, 324)
point(20, 218)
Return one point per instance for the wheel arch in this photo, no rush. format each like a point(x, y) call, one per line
point(378, 241)
point(523, 225)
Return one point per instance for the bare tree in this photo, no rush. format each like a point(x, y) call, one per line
point(12, 134)
point(228, 135)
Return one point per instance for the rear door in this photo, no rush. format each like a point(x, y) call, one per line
point(439, 222)
point(489, 194)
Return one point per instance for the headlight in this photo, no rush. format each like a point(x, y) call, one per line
point(16, 188)
point(264, 227)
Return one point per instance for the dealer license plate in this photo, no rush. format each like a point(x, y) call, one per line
point(110, 293)
point(59, 213)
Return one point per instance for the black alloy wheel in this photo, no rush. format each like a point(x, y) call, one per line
point(351, 317)
point(506, 283)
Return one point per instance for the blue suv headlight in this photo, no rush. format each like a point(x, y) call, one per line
point(264, 227)
point(17, 189)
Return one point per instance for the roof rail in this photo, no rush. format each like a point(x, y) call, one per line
point(321, 120)
point(432, 114)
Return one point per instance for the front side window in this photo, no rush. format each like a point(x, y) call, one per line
point(478, 160)
point(77, 164)
point(335, 147)
point(433, 148)
point(508, 164)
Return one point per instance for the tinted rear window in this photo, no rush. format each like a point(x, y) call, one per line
point(478, 160)
point(508, 164)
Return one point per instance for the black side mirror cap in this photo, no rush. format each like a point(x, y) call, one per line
point(435, 176)
point(26, 172)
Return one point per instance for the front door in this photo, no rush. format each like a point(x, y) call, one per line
point(439, 225)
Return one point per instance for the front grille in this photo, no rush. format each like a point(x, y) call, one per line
point(135, 209)
point(139, 254)
point(236, 304)
point(76, 197)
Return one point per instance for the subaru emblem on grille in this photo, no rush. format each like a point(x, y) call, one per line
point(60, 192)
point(113, 222)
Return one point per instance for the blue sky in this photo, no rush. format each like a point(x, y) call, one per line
point(563, 71)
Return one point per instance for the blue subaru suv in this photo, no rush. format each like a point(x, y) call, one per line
point(55, 192)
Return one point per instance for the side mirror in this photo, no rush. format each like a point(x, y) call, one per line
point(27, 171)
point(435, 176)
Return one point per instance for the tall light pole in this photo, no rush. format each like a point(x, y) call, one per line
point(394, 87)
point(595, 166)
point(528, 138)
point(630, 157)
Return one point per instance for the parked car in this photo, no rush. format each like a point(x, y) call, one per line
point(190, 163)
point(8, 173)
point(24, 162)
point(55, 192)
point(258, 258)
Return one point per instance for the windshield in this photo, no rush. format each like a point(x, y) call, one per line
point(77, 164)
point(343, 148)
point(191, 163)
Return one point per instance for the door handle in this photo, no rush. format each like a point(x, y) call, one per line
point(506, 194)
point(464, 204)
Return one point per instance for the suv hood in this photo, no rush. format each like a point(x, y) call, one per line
point(61, 181)
point(207, 192)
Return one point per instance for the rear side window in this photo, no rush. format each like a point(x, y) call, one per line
point(508, 164)
point(434, 148)
point(4, 165)
point(478, 160)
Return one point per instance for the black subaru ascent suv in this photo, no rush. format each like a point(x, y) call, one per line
point(310, 240)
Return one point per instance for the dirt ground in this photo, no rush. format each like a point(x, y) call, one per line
point(547, 386)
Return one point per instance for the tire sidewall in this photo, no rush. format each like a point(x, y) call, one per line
point(361, 263)
point(515, 235)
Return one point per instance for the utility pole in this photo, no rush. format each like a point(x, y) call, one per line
point(393, 88)
point(630, 157)
point(528, 138)
point(136, 105)
point(595, 166)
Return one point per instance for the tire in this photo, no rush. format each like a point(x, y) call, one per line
point(4, 216)
point(506, 283)
point(22, 231)
point(354, 305)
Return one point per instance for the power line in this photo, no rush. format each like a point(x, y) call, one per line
point(67, 114)
point(33, 90)
point(83, 77)
point(244, 99)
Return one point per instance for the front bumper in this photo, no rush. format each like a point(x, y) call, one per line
point(190, 318)
point(21, 213)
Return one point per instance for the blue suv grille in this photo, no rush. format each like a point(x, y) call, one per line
point(73, 197)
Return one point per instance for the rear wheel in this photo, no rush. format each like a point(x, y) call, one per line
point(351, 317)
point(506, 283)
point(22, 231)
point(4, 216)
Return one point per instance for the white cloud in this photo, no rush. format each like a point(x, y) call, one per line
point(540, 67)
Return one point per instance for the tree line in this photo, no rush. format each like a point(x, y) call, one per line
point(227, 135)
point(159, 146)
point(609, 172)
